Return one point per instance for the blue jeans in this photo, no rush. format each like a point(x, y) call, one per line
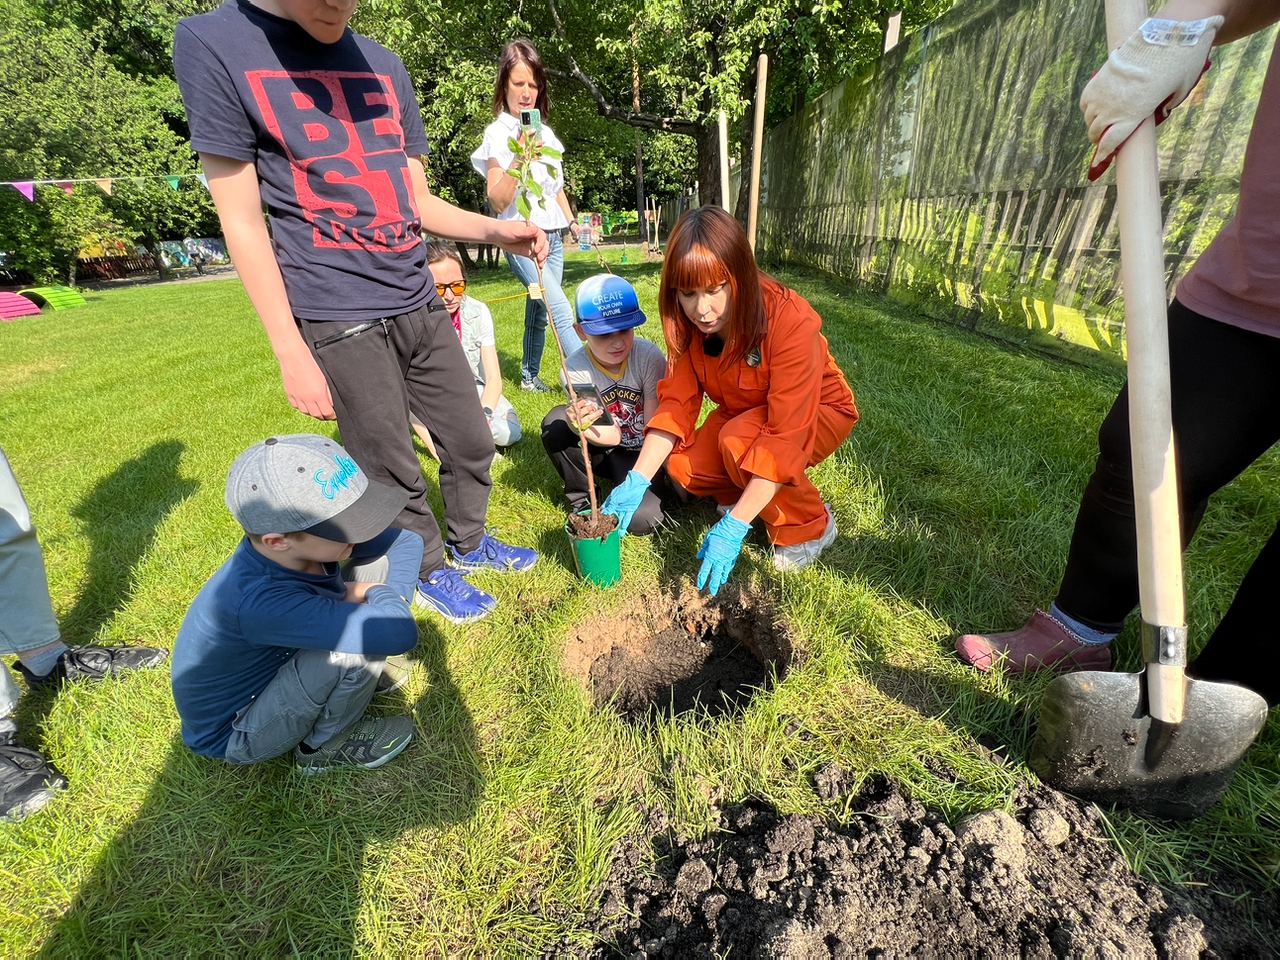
point(535, 311)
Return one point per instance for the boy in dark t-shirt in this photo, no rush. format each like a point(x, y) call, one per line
point(290, 109)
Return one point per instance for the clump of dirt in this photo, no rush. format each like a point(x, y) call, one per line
point(583, 527)
point(674, 653)
point(899, 881)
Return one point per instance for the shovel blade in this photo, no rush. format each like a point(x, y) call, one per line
point(1096, 741)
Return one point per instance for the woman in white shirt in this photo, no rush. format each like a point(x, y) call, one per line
point(522, 85)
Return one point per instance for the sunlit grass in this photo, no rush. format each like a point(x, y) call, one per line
point(955, 498)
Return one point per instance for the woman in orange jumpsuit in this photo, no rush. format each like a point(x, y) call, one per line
point(782, 405)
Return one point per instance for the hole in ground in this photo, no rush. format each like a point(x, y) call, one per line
point(667, 655)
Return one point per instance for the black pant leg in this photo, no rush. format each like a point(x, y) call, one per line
point(565, 452)
point(366, 380)
point(442, 392)
point(1226, 413)
point(1245, 649)
point(615, 465)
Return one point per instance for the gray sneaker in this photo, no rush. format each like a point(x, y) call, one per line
point(369, 744)
point(395, 674)
point(801, 555)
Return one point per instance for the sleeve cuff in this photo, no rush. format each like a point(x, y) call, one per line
point(238, 152)
point(673, 422)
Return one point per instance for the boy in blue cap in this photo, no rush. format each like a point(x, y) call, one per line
point(624, 372)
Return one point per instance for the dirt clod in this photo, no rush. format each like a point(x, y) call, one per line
point(584, 528)
point(678, 652)
point(897, 881)
point(1049, 826)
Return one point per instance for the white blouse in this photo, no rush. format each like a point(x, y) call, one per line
point(547, 213)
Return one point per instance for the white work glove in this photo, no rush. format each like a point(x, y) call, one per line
point(1148, 76)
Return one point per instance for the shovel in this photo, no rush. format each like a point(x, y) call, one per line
point(1158, 741)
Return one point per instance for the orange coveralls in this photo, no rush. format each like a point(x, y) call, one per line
point(773, 420)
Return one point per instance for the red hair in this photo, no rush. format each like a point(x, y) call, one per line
point(708, 247)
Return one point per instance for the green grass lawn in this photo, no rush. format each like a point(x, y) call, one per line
point(955, 497)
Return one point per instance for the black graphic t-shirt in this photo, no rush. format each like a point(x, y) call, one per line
point(330, 128)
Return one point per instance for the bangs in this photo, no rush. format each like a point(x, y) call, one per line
point(697, 267)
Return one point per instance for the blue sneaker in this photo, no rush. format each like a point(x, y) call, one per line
point(493, 554)
point(448, 594)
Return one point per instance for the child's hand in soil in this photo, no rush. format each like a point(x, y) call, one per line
point(719, 552)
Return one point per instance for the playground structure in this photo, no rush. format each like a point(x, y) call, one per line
point(55, 298)
point(13, 305)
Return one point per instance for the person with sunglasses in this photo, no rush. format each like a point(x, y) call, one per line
point(474, 325)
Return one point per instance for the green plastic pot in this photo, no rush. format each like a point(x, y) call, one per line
point(598, 561)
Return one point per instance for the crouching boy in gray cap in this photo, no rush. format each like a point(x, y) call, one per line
point(279, 652)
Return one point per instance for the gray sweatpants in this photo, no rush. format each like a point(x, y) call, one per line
point(315, 698)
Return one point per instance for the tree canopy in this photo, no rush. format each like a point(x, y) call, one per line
point(70, 109)
point(87, 90)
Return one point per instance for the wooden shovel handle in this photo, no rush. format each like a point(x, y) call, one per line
point(1155, 474)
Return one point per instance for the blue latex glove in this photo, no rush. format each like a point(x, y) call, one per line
point(624, 500)
point(719, 552)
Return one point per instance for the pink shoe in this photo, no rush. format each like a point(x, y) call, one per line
point(1042, 643)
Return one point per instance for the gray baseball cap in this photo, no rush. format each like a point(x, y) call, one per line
point(308, 483)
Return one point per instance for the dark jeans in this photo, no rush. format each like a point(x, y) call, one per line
point(607, 463)
point(375, 376)
point(1226, 414)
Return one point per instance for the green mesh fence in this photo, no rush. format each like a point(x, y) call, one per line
point(952, 176)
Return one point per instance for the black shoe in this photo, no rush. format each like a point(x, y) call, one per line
point(95, 663)
point(27, 781)
point(534, 385)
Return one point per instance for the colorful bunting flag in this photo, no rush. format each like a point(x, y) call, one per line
point(105, 184)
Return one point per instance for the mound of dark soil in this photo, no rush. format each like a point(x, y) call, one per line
point(672, 653)
point(900, 881)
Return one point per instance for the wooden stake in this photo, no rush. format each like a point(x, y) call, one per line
point(757, 145)
point(722, 121)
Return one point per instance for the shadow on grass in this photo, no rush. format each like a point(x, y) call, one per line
point(258, 860)
point(120, 516)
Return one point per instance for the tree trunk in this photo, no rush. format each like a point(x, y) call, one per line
point(635, 105)
point(708, 164)
point(71, 272)
point(153, 245)
point(465, 254)
point(740, 206)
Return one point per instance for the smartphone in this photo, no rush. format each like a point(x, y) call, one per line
point(588, 391)
point(531, 121)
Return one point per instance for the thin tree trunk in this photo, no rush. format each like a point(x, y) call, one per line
point(708, 164)
point(465, 254)
point(635, 105)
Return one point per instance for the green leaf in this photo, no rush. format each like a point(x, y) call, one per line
point(522, 205)
point(514, 146)
point(553, 154)
point(535, 188)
